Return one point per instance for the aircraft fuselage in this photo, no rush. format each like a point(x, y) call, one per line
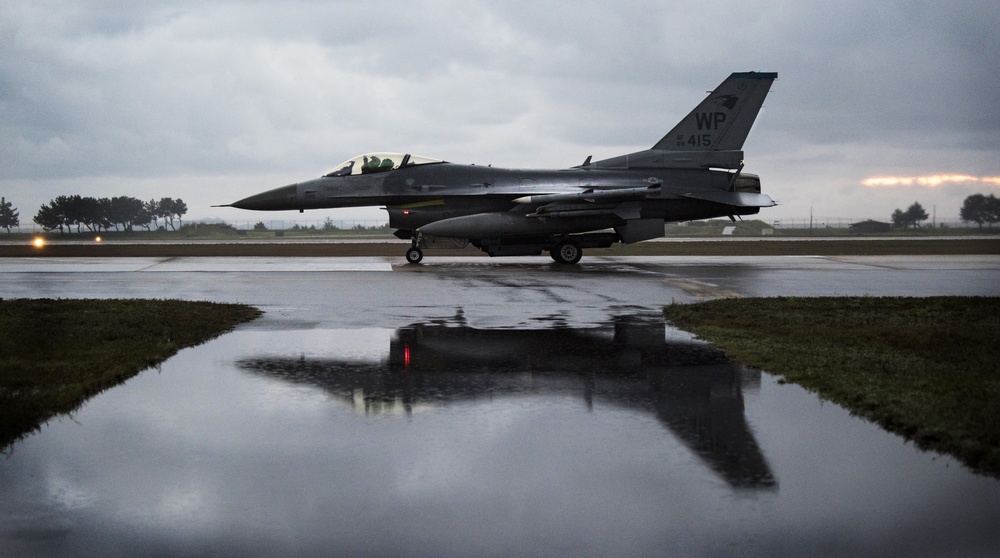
point(457, 190)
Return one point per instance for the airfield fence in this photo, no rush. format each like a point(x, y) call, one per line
point(374, 224)
point(846, 222)
point(271, 224)
point(293, 224)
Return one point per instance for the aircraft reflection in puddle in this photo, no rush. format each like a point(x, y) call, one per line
point(692, 388)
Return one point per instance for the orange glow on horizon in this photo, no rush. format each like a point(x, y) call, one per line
point(932, 181)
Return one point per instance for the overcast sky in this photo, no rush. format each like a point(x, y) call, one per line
point(214, 101)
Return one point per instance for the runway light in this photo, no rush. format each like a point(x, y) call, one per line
point(98, 239)
point(39, 242)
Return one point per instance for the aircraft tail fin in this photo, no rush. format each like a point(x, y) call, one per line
point(710, 136)
point(723, 120)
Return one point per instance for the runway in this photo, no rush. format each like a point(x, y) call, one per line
point(379, 291)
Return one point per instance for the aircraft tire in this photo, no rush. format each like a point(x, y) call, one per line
point(414, 255)
point(567, 252)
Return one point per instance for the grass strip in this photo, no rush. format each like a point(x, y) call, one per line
point(925, 368)
point(55, 354)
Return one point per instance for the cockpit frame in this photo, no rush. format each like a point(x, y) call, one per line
point(371, 163)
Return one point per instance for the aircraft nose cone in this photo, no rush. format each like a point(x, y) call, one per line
point(271, 200)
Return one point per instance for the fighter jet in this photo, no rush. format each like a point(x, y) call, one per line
point(693, 172)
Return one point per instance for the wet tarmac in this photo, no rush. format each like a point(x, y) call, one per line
point(474, 406)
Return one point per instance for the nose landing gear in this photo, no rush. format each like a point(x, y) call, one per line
point(414, 255)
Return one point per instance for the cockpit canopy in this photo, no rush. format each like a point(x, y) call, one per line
point(378, 162)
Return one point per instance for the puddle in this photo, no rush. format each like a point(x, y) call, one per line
point(437, 438)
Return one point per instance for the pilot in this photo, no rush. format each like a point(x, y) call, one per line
point(370, 165)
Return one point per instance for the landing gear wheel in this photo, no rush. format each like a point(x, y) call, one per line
point(567, 252)
point(414, 255)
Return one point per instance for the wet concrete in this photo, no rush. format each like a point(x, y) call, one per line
point(476, 406)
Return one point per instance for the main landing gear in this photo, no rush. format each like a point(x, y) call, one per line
point(567, 252)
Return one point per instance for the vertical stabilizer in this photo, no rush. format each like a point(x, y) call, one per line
point(723, 120)
point(710, 136)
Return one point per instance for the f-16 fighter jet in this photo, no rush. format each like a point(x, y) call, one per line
point(693, 172)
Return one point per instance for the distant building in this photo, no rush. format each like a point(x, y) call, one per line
point(869, 226)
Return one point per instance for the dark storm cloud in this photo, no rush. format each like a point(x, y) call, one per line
point(100, 90)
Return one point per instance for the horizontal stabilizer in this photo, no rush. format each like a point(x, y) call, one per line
point(738, 199)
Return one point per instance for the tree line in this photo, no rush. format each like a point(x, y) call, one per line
point(909, 218)
point(126, 213)
point(9, 216)
point(980, 209)
point(977, 208)
point(101, 214)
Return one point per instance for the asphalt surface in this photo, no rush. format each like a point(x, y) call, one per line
point(379, 291)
